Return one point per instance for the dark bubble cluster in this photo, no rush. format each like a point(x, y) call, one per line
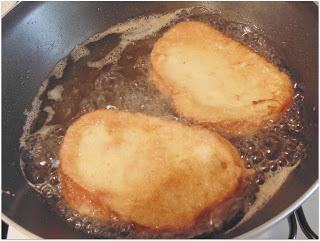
point(125, 85)
point(280, 144)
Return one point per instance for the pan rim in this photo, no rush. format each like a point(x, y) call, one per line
point(283, 214)
point(20, 228)
point(10, 9)
point(255, 231)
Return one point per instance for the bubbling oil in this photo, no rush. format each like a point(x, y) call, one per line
point(110, 70)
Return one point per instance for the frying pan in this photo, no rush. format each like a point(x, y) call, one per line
point(35, 35)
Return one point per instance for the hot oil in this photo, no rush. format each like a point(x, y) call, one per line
point(110, 70)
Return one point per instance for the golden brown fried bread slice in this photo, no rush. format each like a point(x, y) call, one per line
point(154, 172)
point(216, 81)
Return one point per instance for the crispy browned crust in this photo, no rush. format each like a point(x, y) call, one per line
point(173, 205)
point(82, 200)
point(239, 109)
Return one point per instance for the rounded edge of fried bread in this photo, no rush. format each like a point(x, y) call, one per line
point(76, 193)
point(78, 198)
point(226, 121)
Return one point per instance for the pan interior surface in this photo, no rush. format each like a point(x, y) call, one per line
point(112, 40)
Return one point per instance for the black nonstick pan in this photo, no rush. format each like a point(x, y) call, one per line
point(35, 35)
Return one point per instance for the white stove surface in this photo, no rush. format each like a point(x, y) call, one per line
point(278, 231)
point(281, 229)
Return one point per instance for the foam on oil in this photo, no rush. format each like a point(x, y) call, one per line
point(110, 70)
